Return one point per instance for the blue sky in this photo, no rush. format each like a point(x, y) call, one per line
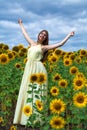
point(59, 17)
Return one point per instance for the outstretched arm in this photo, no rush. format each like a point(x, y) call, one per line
point(29, 40)
point(48, 47)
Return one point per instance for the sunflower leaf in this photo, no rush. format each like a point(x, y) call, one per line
point(29, 100)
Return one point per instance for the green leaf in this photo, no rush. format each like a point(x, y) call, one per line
point(29, 100)
point(29, 91)
point(37, 96)
point(46, 127)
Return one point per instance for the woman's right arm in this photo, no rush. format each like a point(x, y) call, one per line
point(29, 40)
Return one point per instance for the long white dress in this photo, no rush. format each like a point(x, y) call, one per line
point(33, 65)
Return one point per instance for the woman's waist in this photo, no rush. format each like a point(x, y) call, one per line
point(31, 59)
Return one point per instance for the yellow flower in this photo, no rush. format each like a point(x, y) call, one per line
point(80, 75)
point(10, 55)
point(78, 59)
point(41, 78)
point(58, 52)
point(83, 52)
point(57, 106)
point(67, 61)
point(24, 50)
point(39, 105)
point(15, 48)
point(63, 83)
point(21, 54)
point(73, 70)
point(53, 59)
point(56, 77)
point(18, 65)
point(1, 119)
point(20, 46)
point(80, 99)
point(54, 91)
point(33, 78)
point(5, 47)
point(57, 122)
point(4, 58)
point(27, 110)
point(78, 83)
point(72, 56)
point(13, 128)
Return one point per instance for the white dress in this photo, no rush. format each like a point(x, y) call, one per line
point(33, 65)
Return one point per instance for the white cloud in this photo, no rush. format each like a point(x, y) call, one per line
point(8, 24)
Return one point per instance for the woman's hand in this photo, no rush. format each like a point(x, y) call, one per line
point(72, 33)
point(19, 21)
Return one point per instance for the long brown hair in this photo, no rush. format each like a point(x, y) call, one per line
point(45, 42)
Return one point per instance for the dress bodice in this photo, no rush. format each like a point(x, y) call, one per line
point(35, 53)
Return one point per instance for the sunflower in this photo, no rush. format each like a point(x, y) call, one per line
point(33, 78)
point(21, 54)
point(58, 52)
point(1, 119)
point(20, 46)
point(56, 77)
point(83, 52)
point(41, 78)
point(72, 56)
point(53, 59)
point(73, 70)
point(24, 50)
point(1, 45)
point(78, 59)
point(13, 127)
point(57, 106)
point(54, 91)
point(57, 122)
point(80, 99)
point(5, 47)
point(18, 65)
point(80, 75)
point(10, 55)
point(39, 105)
point(67, 61)
point(78, 83)
point(27, 110)
point(14, 53)
point(15, 48)
point(4, 58)
point(63, 83)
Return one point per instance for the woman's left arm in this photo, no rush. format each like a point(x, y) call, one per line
point(48, 47)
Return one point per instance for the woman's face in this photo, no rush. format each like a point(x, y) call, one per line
point(42, 36)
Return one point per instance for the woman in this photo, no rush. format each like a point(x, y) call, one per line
point(36, 53)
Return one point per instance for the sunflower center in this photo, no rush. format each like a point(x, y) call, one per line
point(57, 106)
point(3, 59)
point(74, 71)
point(10, 55)
point(57, 78)
point(39, 105)
point(53, 59)
point(62, 84)
point(78, 82)
point(80, 99)
point(41, 78)
point(54, 90)
point(27, 110)
point(67, 62)
point(34, 78)
point(57, 122)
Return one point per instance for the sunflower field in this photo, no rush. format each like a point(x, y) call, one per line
point(67, 88)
